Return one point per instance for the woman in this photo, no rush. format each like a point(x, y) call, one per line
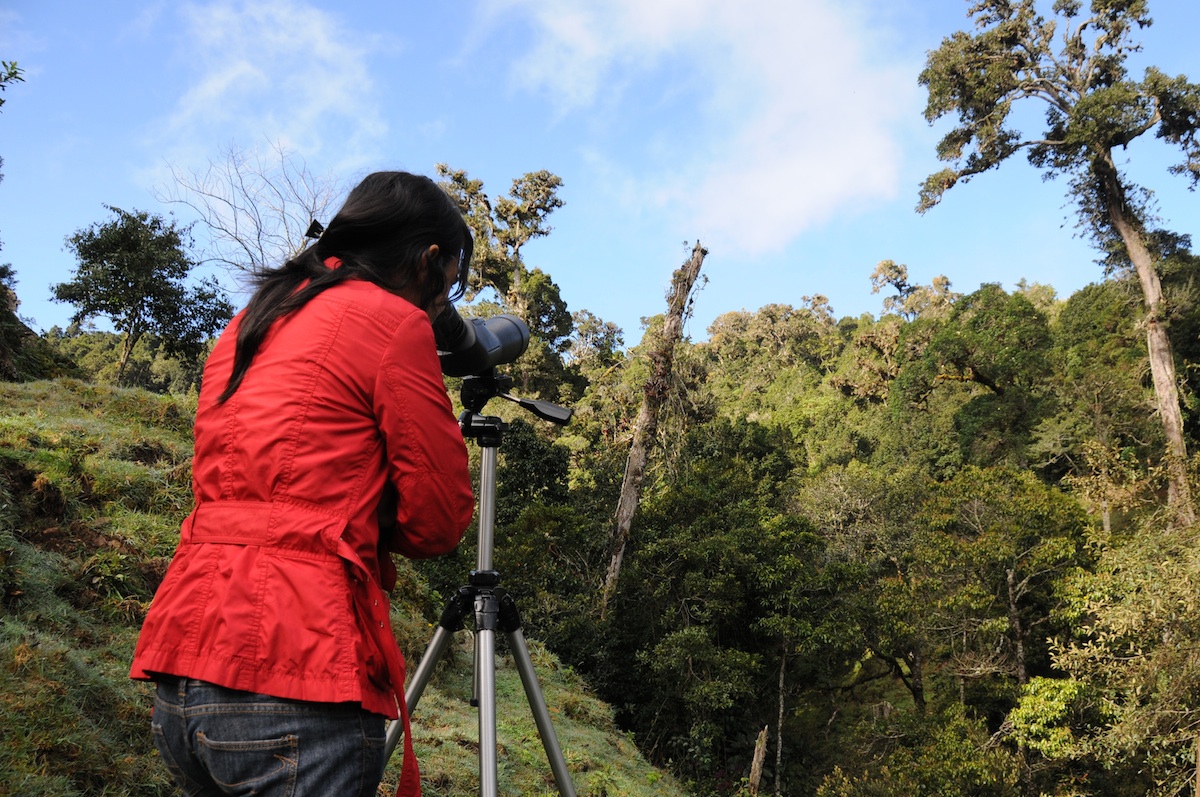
point(324, 439)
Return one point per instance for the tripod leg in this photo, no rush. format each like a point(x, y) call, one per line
point(416, 686)
point(485, 661)
point(541, 715)
point(433, 654)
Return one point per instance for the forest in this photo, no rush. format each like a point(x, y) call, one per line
point(949, 548)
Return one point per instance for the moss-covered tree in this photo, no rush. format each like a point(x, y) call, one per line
point(1074, 64)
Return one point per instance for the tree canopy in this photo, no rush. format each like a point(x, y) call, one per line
point(1074, 64)
point(133, 270)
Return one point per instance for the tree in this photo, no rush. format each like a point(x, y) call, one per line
point(1099, 429)
point(132, 270)
point(1092, 109)
point(1012, 538)
point(767, 365)
point(999, 342)
point(654, 395)
point(522, 217)
point(1129, 647)
point(887, 562)
point(911, 301)
point(720, 590)
point(255, 207)
point(499, 276)
point(502, 227)
point(595, 343)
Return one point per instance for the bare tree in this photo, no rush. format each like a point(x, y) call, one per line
point(254, 206)
point(654, 395)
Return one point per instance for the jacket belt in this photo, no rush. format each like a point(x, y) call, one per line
point(317, 534)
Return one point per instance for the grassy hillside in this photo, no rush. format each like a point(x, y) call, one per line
point(93, 484)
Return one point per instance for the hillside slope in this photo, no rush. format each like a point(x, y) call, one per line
point(93, 484)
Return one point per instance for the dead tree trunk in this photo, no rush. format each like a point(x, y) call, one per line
point(654, 395)
point(1197, 790)
point(756, 765)
point(779, 726)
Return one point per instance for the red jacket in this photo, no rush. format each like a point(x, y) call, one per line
point(339, 445)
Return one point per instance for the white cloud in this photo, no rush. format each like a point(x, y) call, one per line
point(278, 70)
point(799, 117)
point(579, 44)
point(19, 44)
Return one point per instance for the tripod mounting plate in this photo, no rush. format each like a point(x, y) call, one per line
point(484, 578)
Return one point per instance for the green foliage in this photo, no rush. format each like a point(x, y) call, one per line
point(1101, 390)
point(1011, 539)
point(97, 356)
point(24, 356)
point(869, 359)
point(522, 215)
point(1000, 342)
point(994, 339)
point(986, 359)
point(720, 585)
point(132, 270)
point(595, 344)
point(911, 301)
point(1132, 650)
point(948, 755)
point(9, 73)
point(547, 314)
point(1048, 709)
point(763, 360)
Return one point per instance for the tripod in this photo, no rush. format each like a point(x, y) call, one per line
point(494, 609)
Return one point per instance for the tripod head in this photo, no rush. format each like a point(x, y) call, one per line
point(478, 390)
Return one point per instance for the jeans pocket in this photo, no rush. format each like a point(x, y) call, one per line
point(267, 766)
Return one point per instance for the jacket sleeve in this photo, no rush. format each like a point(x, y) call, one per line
point(426, 455)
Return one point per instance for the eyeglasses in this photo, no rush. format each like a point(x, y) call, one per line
point(455, 289)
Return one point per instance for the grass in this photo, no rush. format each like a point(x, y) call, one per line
point(601, 759)
point(94, 482)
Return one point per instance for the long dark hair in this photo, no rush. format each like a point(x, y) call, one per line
point(381, 235)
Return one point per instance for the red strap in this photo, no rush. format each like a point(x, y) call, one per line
point(410, 774)
point(380, 629)
point(333, 262)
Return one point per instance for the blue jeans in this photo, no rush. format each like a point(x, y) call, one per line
point(218, 741)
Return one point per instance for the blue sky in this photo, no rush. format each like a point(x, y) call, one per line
point(785, 135)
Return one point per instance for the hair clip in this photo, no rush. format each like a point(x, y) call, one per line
point(314, 230)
